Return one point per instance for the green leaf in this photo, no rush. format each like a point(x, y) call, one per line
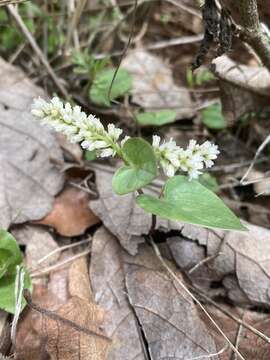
point(10, 254)
point(212, 117)
point(7, 291)
point(156, 118)
point(191, 202)
point(140, 168)
point(209, 181)
point(99, 90)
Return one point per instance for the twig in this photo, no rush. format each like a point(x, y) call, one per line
point(184, 287)
point(13, 11)
point(74, 22)
point(251, 31)
point(19, 286)
point(259, 150)
point(59, 265)
point(211, 355)
point(237, 342)
point(61, 249)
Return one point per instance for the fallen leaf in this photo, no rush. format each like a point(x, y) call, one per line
point(107, 281)
point(250, 345)
point(168, 316)
point(45, 337)
point(39, 243)
point(4, 332)
point(29, 179)
point(153, 85)
point(16, 90)
point(261, 182)
point(70, 343)
point(243, 88)
point(122, 216)
point(71, 215)
point(242, 265)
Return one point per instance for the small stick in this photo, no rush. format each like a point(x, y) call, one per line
point(59, 265)
point(19, 285)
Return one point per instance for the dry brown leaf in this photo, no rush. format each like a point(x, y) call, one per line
point(4, 332)
point(250, 345)
point(29, 179)
point(153, 85)
point(107, 280)
point(70, 343)
point(122, 216)
point(41, 336)
point(30, 337)
point(243, 88)
point(168, 316)
point(38, 242)
point(243, 265)
point(70, 215)
point(16, 90)
point(66, 343)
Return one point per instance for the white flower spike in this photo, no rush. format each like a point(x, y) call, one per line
point(191, 160)
point(77, 126)
point(89, 131)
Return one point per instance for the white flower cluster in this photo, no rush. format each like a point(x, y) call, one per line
point(92, 135)
point(191, 160)
point(77, 126)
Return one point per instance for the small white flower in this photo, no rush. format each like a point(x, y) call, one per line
point(107, 152)
point(114, 132)
point(190, 160)
point(169, 169)
point(156, 141)
point(100, 144)
point(209, 152)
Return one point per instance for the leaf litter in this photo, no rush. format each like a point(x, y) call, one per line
point(133, 301)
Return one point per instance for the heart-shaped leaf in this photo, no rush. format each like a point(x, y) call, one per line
point(191, 202)
point(10, 254)
point(140, 168)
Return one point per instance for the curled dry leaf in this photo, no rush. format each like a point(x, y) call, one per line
point(243, 88)
point(242, 266)
point(153, 86)
point(29, 178)
point(168, 316)
point(122, 216)
point(108, 283)
point(71, 215)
